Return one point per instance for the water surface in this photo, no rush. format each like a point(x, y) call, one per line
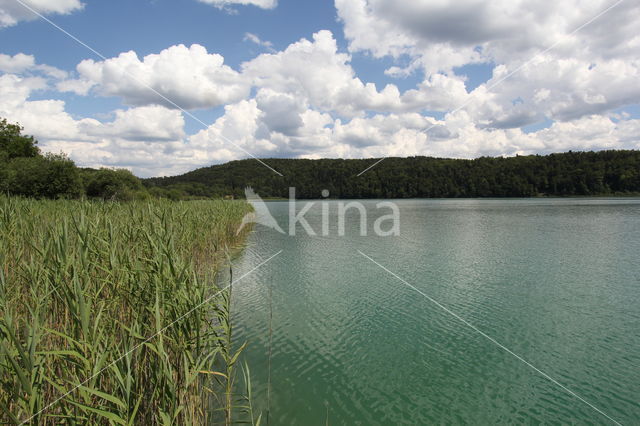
point(556, 281)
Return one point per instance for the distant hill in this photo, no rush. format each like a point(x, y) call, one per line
point(566, 174)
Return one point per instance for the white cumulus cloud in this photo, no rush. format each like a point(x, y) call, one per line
point(12, 11)
point(590, 71)
point(188, 77)
point(317, 72)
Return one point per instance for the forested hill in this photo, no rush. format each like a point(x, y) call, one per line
point(566, 174)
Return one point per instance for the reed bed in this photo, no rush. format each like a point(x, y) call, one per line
point(87, 293)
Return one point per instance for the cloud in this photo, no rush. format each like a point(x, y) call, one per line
point(559, 90)
point(467, 31)
point(281, 111)
point(21, 63)
point(264, 4)
point(188, 77)
point(255, 39)
point(589, 72)
point(12, 12)
point(43, 117)
point(17, 63)
point(143, 124)
point(315, 71)
point(77, 86)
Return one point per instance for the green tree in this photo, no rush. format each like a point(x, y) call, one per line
point(48, 176)
point(110, 184)
point(571, 173)
point(14, 144)
point(25, 171)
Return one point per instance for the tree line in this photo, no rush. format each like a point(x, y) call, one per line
point(613, 172)
point(26, 171)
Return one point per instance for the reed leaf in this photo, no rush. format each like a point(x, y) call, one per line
point(97, 318)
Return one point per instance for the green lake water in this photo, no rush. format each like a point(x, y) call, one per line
point(555, 281)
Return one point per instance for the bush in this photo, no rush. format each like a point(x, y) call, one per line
point(49, 176)
point(109, 184)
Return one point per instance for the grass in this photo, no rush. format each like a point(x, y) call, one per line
point(84, 287)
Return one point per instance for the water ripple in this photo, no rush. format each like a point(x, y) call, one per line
point(555, 281)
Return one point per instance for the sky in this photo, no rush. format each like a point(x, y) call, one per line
point(161, 87)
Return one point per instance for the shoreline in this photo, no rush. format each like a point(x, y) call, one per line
point(542, 197)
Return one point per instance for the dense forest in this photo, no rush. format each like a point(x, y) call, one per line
point(567, 174)
point(25, 171)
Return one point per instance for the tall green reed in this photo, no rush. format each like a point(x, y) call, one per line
point(97, 318)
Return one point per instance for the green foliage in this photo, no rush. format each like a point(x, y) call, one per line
point(48, 176)
point(109, 312)
point(109, 184)
point(170, 193)
point(571, 173)
point(4, 177)
point(26, 172)
point(13, 144)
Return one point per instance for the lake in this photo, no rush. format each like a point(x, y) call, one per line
point(480, 299)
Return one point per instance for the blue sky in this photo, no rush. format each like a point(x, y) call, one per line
point(350, 79)
point(148, 26)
